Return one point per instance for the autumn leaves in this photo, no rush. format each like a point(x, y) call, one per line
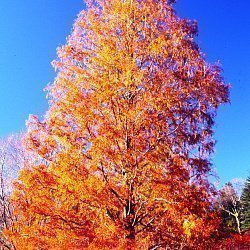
point(124, 148)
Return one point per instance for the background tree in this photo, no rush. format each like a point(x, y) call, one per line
point(126, 142)
point(11, 161)
point(229, 206)
point(245, 202)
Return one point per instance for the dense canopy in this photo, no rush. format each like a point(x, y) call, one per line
point(123, 154)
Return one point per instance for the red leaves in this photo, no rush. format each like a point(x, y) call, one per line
point(235, 241)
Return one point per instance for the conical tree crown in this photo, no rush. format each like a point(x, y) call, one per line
point(245, 201)
point(125, 144)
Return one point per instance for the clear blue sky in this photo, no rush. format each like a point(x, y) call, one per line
point(30, 32)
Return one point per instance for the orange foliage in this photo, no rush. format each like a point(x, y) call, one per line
point(124, 148)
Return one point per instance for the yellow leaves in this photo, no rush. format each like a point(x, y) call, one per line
point(123, 9)
point(61, 238)
point(106, 55)
point(94, 185)
point(189, 225)
point(159, 45)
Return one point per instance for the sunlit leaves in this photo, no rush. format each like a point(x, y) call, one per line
point(125, 145)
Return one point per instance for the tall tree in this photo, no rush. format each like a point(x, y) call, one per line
point(126, 142)
point(245, 201)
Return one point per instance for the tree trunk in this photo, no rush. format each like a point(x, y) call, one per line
point(238, 224)
point(130, 238)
